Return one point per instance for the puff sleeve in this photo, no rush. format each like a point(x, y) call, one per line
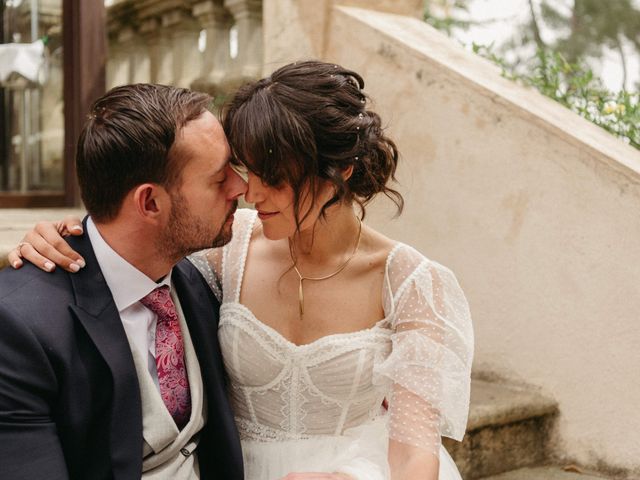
point(209, 263)
point(429, 366)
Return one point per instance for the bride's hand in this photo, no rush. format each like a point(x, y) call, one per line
point(317, 476)
point(44, 246)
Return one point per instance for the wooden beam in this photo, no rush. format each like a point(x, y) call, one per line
point(4, 120)
point(85, 56)
point(32, 200)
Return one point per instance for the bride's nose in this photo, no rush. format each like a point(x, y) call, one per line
point(255, 189)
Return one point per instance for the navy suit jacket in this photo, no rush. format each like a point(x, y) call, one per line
point(69, 396)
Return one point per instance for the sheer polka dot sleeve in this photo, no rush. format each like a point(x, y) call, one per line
point(222, 267)
point(432, 350)
point(209, 263)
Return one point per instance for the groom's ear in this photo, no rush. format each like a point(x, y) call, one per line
point(151, 202)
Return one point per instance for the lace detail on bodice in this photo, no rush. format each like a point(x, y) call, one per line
point(283, 391)
point(418, 356)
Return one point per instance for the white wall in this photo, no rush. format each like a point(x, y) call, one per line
point(535, 209)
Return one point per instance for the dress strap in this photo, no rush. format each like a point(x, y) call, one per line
point(235, 253)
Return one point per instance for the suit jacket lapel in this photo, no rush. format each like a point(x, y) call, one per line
point(201, 315)
point(97, 313)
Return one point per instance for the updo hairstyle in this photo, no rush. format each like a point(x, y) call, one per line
point(308, 122)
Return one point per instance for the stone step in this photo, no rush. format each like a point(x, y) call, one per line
point(14, 222)
point(544, 473)
point(508, 429)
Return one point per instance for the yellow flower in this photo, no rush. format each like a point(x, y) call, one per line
point(615, 108)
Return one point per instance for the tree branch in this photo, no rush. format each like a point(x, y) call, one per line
point(536, 28)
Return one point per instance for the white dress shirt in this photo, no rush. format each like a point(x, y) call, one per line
point(128, 286)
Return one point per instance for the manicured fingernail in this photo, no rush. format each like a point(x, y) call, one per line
point(81, 263)
point(76, 228)
point(74, 267)
point(48, 266)
point(16, 264)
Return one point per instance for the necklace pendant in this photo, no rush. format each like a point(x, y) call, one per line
point(301, 299)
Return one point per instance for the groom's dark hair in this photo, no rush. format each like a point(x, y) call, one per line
point(127, 141)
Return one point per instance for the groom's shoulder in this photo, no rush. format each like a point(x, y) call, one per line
point(29, 279)
point(191, 273)
point(29, 290)
point(193, 280)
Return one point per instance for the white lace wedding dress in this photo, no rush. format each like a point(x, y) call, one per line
point(318, 407)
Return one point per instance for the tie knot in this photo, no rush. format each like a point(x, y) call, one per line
point(159, 300)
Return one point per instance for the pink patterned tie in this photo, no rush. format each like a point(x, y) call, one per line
point(172, 374)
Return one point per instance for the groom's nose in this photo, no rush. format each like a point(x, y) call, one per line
point(235, 185)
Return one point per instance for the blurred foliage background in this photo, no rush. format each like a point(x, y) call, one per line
point(583, 53)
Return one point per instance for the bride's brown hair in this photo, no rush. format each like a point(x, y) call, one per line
point(307, 122)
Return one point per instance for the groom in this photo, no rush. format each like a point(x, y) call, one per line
point(115, 371)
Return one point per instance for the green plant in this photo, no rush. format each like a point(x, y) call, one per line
point(574, 85)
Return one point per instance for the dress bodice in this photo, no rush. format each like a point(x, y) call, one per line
point(280, 390)
point(419, 354)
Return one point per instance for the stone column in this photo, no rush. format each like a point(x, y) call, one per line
point(247, 15)
point(184, 32)
point(156, 25)
point(150, 34)
point(216, 62)
point(118, 64)
point(140, 59)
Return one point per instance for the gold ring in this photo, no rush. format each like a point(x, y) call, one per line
point(19, 247)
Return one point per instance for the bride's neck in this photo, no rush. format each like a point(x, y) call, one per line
point(330, 239)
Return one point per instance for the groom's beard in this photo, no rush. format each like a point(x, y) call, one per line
point(186, 233)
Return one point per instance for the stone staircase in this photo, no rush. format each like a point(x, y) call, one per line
point(508, 429)
point(508, 436)
point(543, 473)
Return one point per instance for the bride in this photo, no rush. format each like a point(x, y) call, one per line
point(348, 353)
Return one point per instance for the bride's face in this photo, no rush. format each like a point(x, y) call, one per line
point(275, 206)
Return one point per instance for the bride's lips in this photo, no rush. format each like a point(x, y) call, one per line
point(264, 215)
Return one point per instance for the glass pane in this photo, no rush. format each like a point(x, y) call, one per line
point(31, 97)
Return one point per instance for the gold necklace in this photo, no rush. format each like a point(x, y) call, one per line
point(326, 277)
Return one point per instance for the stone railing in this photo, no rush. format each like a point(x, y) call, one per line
point(210, 45)
point(534, 208)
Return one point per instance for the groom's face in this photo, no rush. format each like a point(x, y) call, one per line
point(203, 202)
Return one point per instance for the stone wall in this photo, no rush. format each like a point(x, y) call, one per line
point(535, 209)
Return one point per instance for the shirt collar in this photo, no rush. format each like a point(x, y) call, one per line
point(128, 285)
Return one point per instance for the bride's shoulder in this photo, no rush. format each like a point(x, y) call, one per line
point(394, 252)
point(405, 263)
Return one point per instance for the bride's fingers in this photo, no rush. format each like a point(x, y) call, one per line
point(26, 250)
point(46, 239)
point(14, 258)
point(38, 250)
point(71, 225)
